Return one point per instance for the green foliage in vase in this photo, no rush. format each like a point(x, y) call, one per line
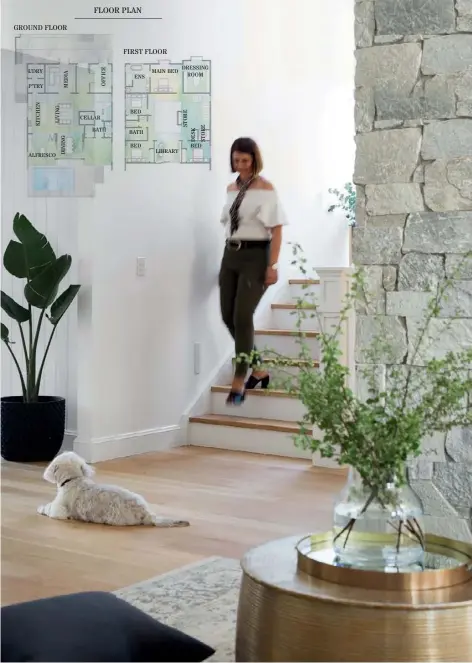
point(379, 433)
point(33, 260)
point(346, 202)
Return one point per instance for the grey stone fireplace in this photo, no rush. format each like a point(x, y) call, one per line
point(413, 174)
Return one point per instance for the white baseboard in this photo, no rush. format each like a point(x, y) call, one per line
point(202, 404)
point(128, 444)
point(68, 443)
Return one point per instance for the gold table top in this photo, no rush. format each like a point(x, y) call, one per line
point(274, 564)
point(445, 562)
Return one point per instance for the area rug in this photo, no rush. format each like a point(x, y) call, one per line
point(200, 599)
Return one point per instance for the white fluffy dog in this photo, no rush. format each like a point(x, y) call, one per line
point(80, 498)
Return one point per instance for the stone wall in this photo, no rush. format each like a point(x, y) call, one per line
point(413, 174)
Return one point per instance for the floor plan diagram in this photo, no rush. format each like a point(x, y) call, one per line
point(69, 113)
point(69, 88)
point(168, 112)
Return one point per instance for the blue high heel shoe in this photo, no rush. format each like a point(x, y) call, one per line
point(235, 398)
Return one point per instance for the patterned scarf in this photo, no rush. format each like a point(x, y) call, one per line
point(234, 210)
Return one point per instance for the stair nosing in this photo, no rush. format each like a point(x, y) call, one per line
point(250, 423)
point(292, 307)
point(304, 281)
point(293, 361)
point(277, 393)
point(287, 332)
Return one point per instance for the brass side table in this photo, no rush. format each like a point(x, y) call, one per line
point(289, 614)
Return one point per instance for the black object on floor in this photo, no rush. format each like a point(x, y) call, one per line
point(32, 432)
point(91, 626)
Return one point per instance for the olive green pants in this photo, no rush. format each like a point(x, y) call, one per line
point(242, 284)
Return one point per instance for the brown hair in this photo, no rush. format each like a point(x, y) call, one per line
point(247, 146)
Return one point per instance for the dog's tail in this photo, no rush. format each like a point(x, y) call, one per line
point(157, 521)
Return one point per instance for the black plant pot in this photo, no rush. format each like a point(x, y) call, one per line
point(32, 432)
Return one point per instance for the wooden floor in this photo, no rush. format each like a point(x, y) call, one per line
point(233, 500)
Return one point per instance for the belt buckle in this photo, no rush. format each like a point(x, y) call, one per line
point(234, 244)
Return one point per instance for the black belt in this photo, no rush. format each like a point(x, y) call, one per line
point(237, 244)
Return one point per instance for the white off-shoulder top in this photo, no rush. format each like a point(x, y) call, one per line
point(259, 212)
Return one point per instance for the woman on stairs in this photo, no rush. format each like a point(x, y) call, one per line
point(253, 219)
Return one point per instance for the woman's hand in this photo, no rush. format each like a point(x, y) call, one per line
point(272, 276)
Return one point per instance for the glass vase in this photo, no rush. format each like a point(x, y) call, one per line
point(378, 529)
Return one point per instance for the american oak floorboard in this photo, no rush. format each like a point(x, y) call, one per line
point(234, 501)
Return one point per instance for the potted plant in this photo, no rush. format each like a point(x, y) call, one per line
point(33, 425)
point(377, 517)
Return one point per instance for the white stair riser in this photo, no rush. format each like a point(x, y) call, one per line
point(319, 461)
point(288, 346)
point(287, 319)
point(292, 293)
point(327, 463)
point(272, 443)
point(280, 374)
point(260, 407)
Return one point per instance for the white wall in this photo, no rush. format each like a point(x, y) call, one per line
point(131, 363)
point(58, 220)
point(303, 51)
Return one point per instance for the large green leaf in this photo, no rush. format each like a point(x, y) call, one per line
point(14, 310)
point(5, 332)
point(14, 260)
point(42, 289)
point(62, 303)
point(38, 252)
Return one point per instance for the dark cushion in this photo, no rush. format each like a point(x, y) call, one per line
point(91, 626)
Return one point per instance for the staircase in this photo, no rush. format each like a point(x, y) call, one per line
point(267, 420)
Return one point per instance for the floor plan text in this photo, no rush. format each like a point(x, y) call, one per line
point(69, 113)
point(168, 112)
point(64, 85)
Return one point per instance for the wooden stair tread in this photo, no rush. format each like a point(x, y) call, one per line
point(292, 361)
point(288, 361)
point(276, 425)
point(304, 282)
point(277, 393)
point(287, 332)
point(293, 307)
